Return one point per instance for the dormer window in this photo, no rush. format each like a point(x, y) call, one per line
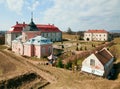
point(33, 39)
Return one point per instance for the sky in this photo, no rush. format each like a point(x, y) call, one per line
point(79, 15)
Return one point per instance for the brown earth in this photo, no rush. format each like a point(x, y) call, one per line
point(12, 65)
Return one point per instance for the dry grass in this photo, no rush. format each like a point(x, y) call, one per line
point(77, 80)
point(9, 66)
point(1, 72)
point(71, 80)
point(69, 37)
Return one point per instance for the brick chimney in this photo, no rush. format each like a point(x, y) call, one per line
point(16, 22)
point(23, 24)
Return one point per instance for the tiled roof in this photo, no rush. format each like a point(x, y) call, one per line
point(104, 56)
point(96, 31)
point(43, 28)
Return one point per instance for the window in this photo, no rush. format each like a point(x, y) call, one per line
point(43, 34)
point(46, 34)
point(43, 51)
point(92, 62)
point(49, 50)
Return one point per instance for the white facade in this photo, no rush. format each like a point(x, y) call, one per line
point(94, 36)
point(53, 36)
point(97, 69)
point(99, 63)
point(9, 37)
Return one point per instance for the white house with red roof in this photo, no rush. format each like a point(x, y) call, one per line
point(48, 31)
point(99, 63)
point(96, 35)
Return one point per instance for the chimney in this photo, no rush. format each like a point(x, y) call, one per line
point(23, 24)
point(16, 22)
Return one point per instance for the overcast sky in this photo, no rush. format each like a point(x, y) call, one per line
point(79, 15)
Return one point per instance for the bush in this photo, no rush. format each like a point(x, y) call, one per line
point(80, 48)
point(85, 48)
point(77, 48)
point(59, 63)
point(68, 65)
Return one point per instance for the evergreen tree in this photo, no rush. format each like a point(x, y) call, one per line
point(85, 48)
point(68, 65)
point(77, 49)
point(69, 31)
point(80, 48)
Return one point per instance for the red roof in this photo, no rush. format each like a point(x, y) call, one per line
point(96, 31)
point(104, 56)
point(43, 28)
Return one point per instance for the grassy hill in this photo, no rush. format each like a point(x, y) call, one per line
point(77, 80)
point(11, 65)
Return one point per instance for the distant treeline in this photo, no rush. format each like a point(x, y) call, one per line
point(115, 35)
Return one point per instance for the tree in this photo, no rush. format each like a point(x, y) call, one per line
point(68, 65)
point(69, 31)
point(85, 48)
point(59, 64)
point(80, 48)
point(77, 49)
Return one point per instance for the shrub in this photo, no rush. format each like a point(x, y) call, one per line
point(68, 65)
point(80, 48)
point(59, 63)
point(77, 48)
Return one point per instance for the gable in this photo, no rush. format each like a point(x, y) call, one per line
point(86, 62)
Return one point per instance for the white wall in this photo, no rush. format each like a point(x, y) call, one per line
point(53, 36)
point(96, 36)
point(98, 69)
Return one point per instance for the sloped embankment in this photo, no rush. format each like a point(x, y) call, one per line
point(29, 80)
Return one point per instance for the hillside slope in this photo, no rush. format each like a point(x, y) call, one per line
point(12, 64)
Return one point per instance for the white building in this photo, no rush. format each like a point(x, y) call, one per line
point(96, 35)
point(99, 63)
